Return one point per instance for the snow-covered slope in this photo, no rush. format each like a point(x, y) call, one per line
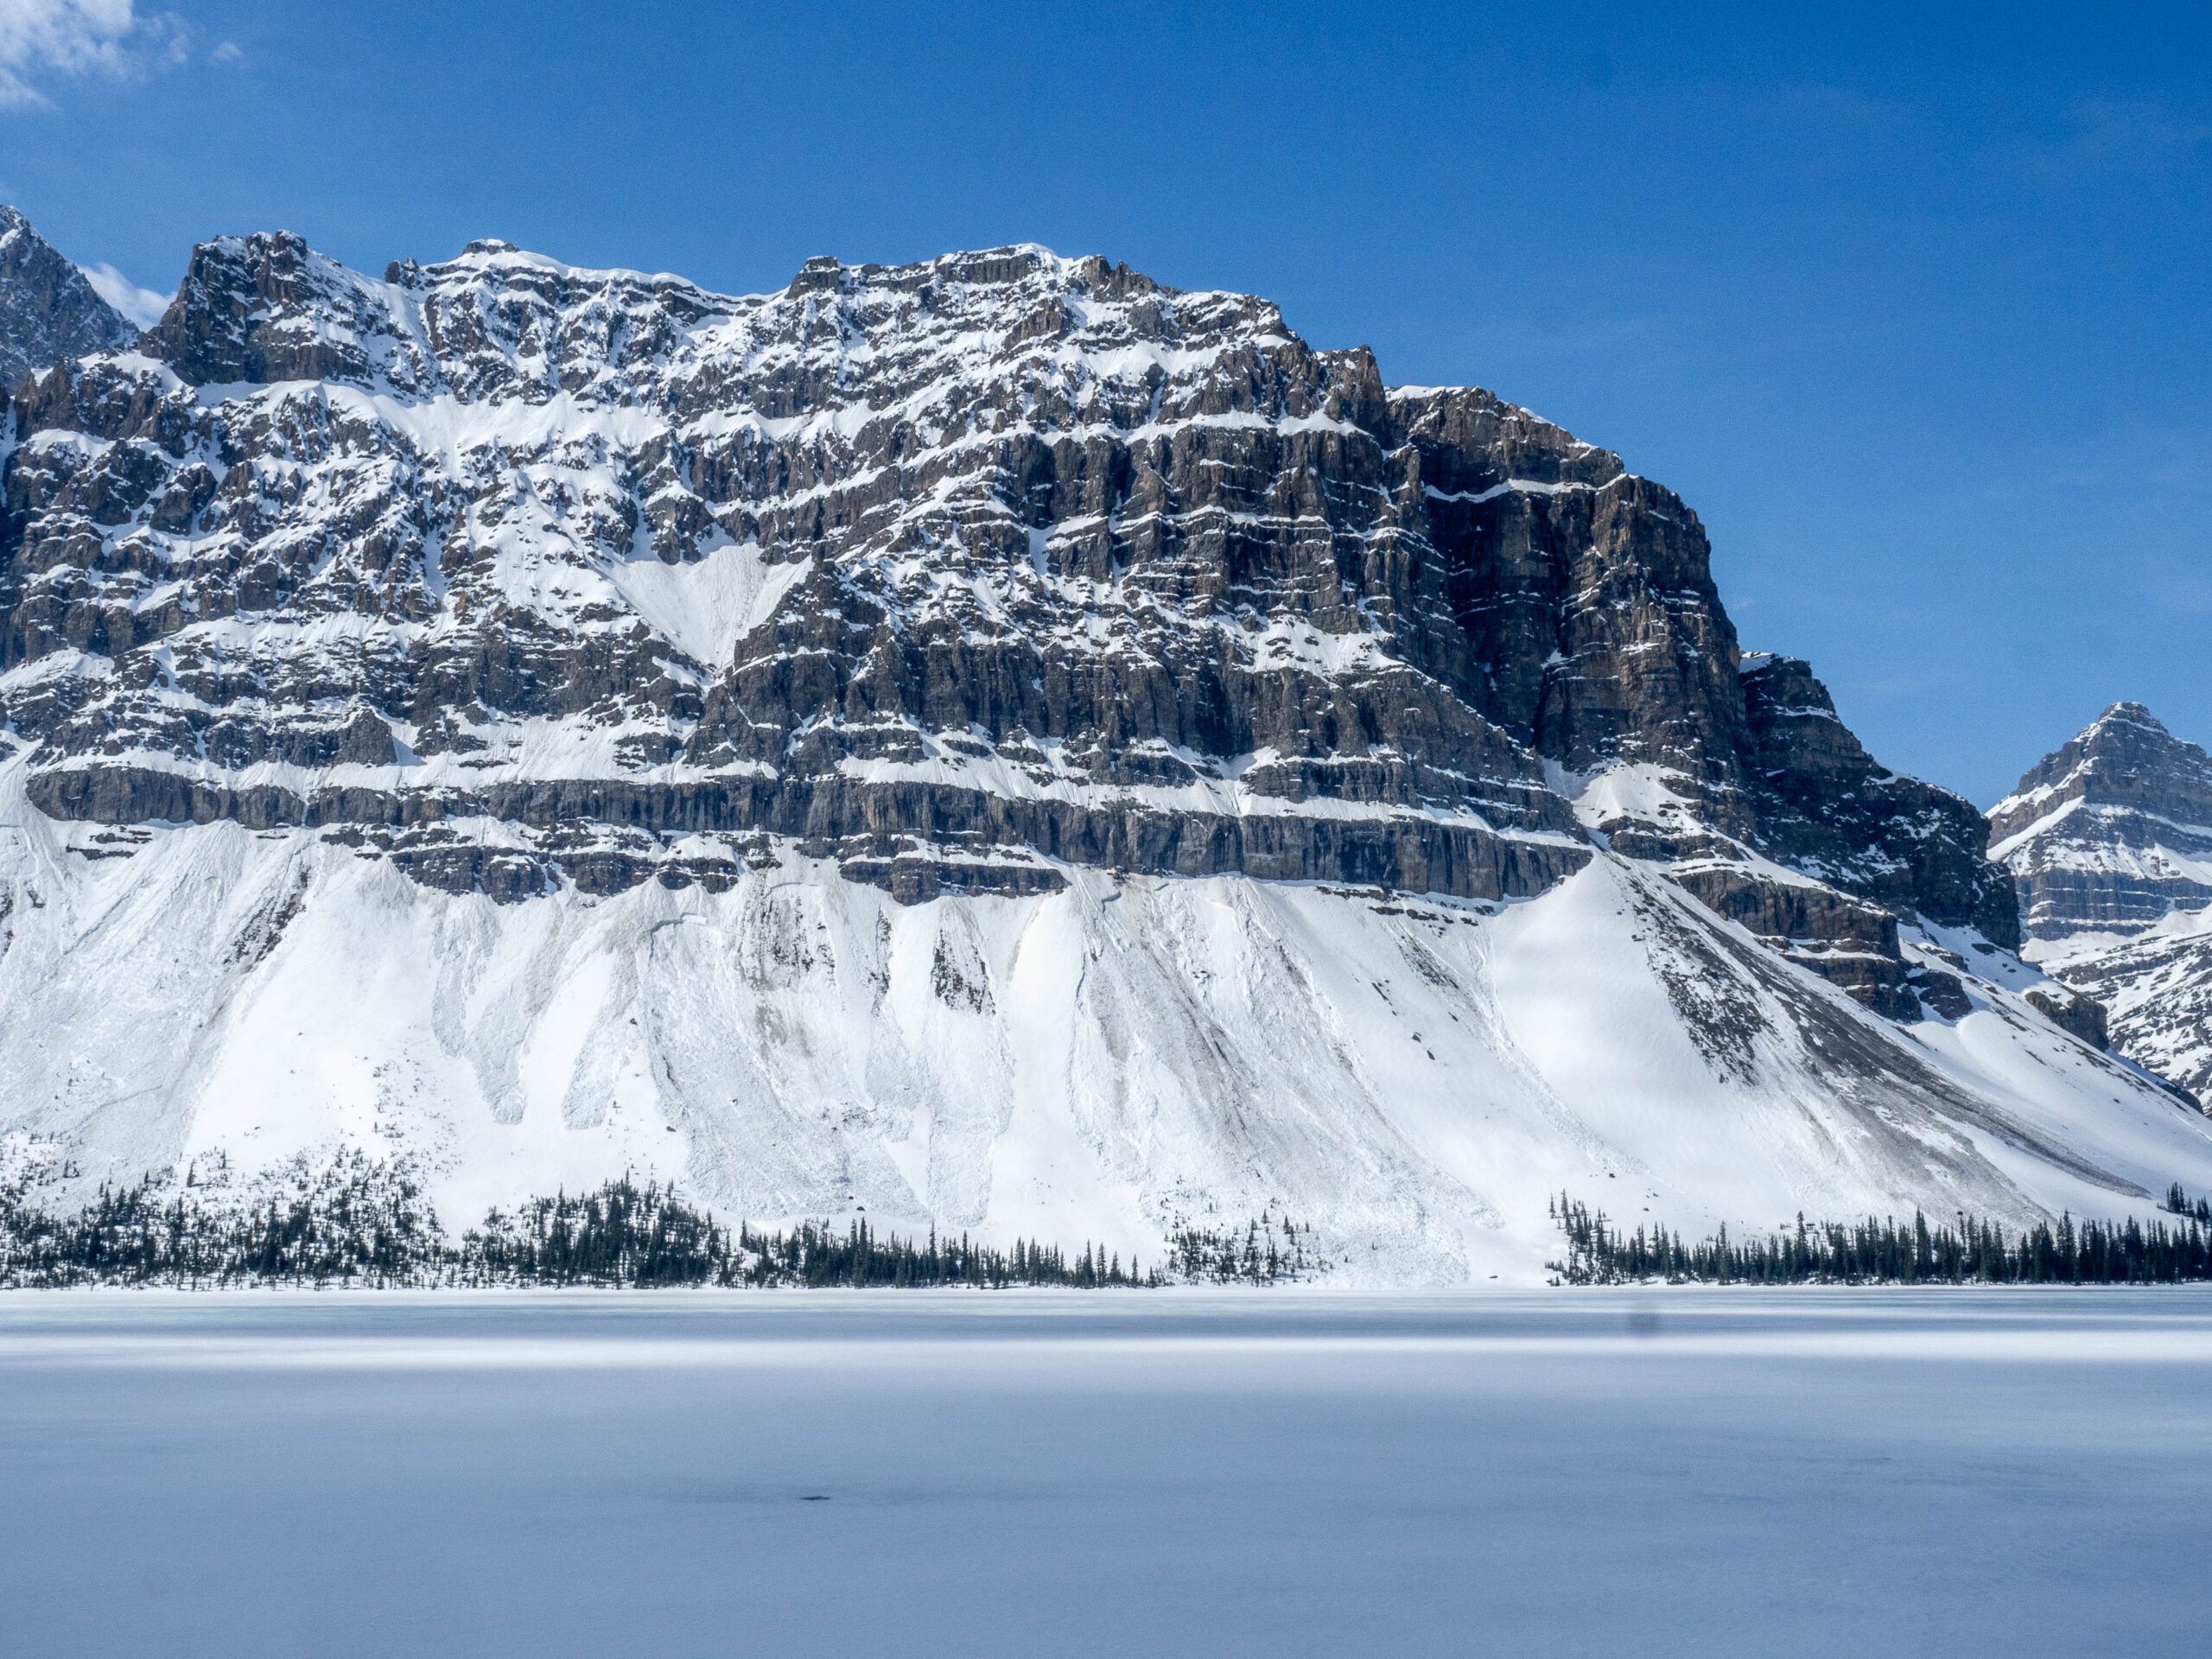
point(1412, 1075)
point(997, 741)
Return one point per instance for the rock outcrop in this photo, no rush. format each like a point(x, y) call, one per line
point(1824, 806)
point(2155, 992)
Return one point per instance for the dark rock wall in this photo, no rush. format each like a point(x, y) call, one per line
point(1823, 804)
point(1067, 563)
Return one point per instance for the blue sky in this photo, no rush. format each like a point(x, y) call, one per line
point(1911, 305)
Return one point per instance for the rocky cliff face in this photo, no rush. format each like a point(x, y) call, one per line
point(2155, 990)
point(952, 570)
point(2109, 840)
point(47, 309)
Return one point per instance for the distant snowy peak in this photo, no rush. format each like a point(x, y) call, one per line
point(2112, 831)
point(49, 309)
point(2125, 757)
point(2109, 841)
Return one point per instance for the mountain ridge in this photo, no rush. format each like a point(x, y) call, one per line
point(257, 311)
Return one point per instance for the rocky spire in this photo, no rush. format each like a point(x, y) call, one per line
point(2108, 840)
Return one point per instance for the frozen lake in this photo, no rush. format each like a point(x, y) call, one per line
point(1174, 1474)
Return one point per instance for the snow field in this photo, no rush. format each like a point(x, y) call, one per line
point(1412, 1078)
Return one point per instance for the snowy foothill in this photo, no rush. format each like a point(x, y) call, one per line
point(1413, 1078)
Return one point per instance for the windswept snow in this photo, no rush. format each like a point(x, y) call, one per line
point(705, 608)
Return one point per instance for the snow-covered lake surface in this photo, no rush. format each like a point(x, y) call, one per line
point(1273, 1473)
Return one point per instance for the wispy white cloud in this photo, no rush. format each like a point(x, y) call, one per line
point(142, 305)
point(43, 38)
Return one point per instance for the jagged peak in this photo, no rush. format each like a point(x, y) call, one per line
point(267, 308)
point(2126, 758)
point(49, 309)
point(263, 268)
point(237, 317)
point(2126, 734)
point(1009, 267)
point(493, 254)
point(1750, 663)
point(256, 240)
point(2125, 713)
point(2107, 838)
point(1006, 266)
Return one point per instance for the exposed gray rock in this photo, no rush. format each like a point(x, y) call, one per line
point(1825, 806)
point(48, 311)
point(951, 571)
point(1846, 941)
point(1943, 994)
point(2158, 988)
point(2083, 1016)
point(851, 820)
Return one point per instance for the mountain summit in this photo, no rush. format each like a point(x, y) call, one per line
point(2111, 832)
point(2110, 840)
point(49, 309)
point(997, 740)
point(1000, 556)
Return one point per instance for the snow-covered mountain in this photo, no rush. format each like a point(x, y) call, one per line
point(996, 741)
point(2110, 840)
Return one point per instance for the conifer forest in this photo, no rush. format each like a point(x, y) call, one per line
point(362, 1223)
point(1969, 1251)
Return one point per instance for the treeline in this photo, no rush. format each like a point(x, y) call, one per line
point(811, 1256)
point(1269, 1249)
point(621, 1236)
point(2177, 1201)
point(352, 1222)
point(1974, 1251)
point(356, 1222)
point(625, 1235)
